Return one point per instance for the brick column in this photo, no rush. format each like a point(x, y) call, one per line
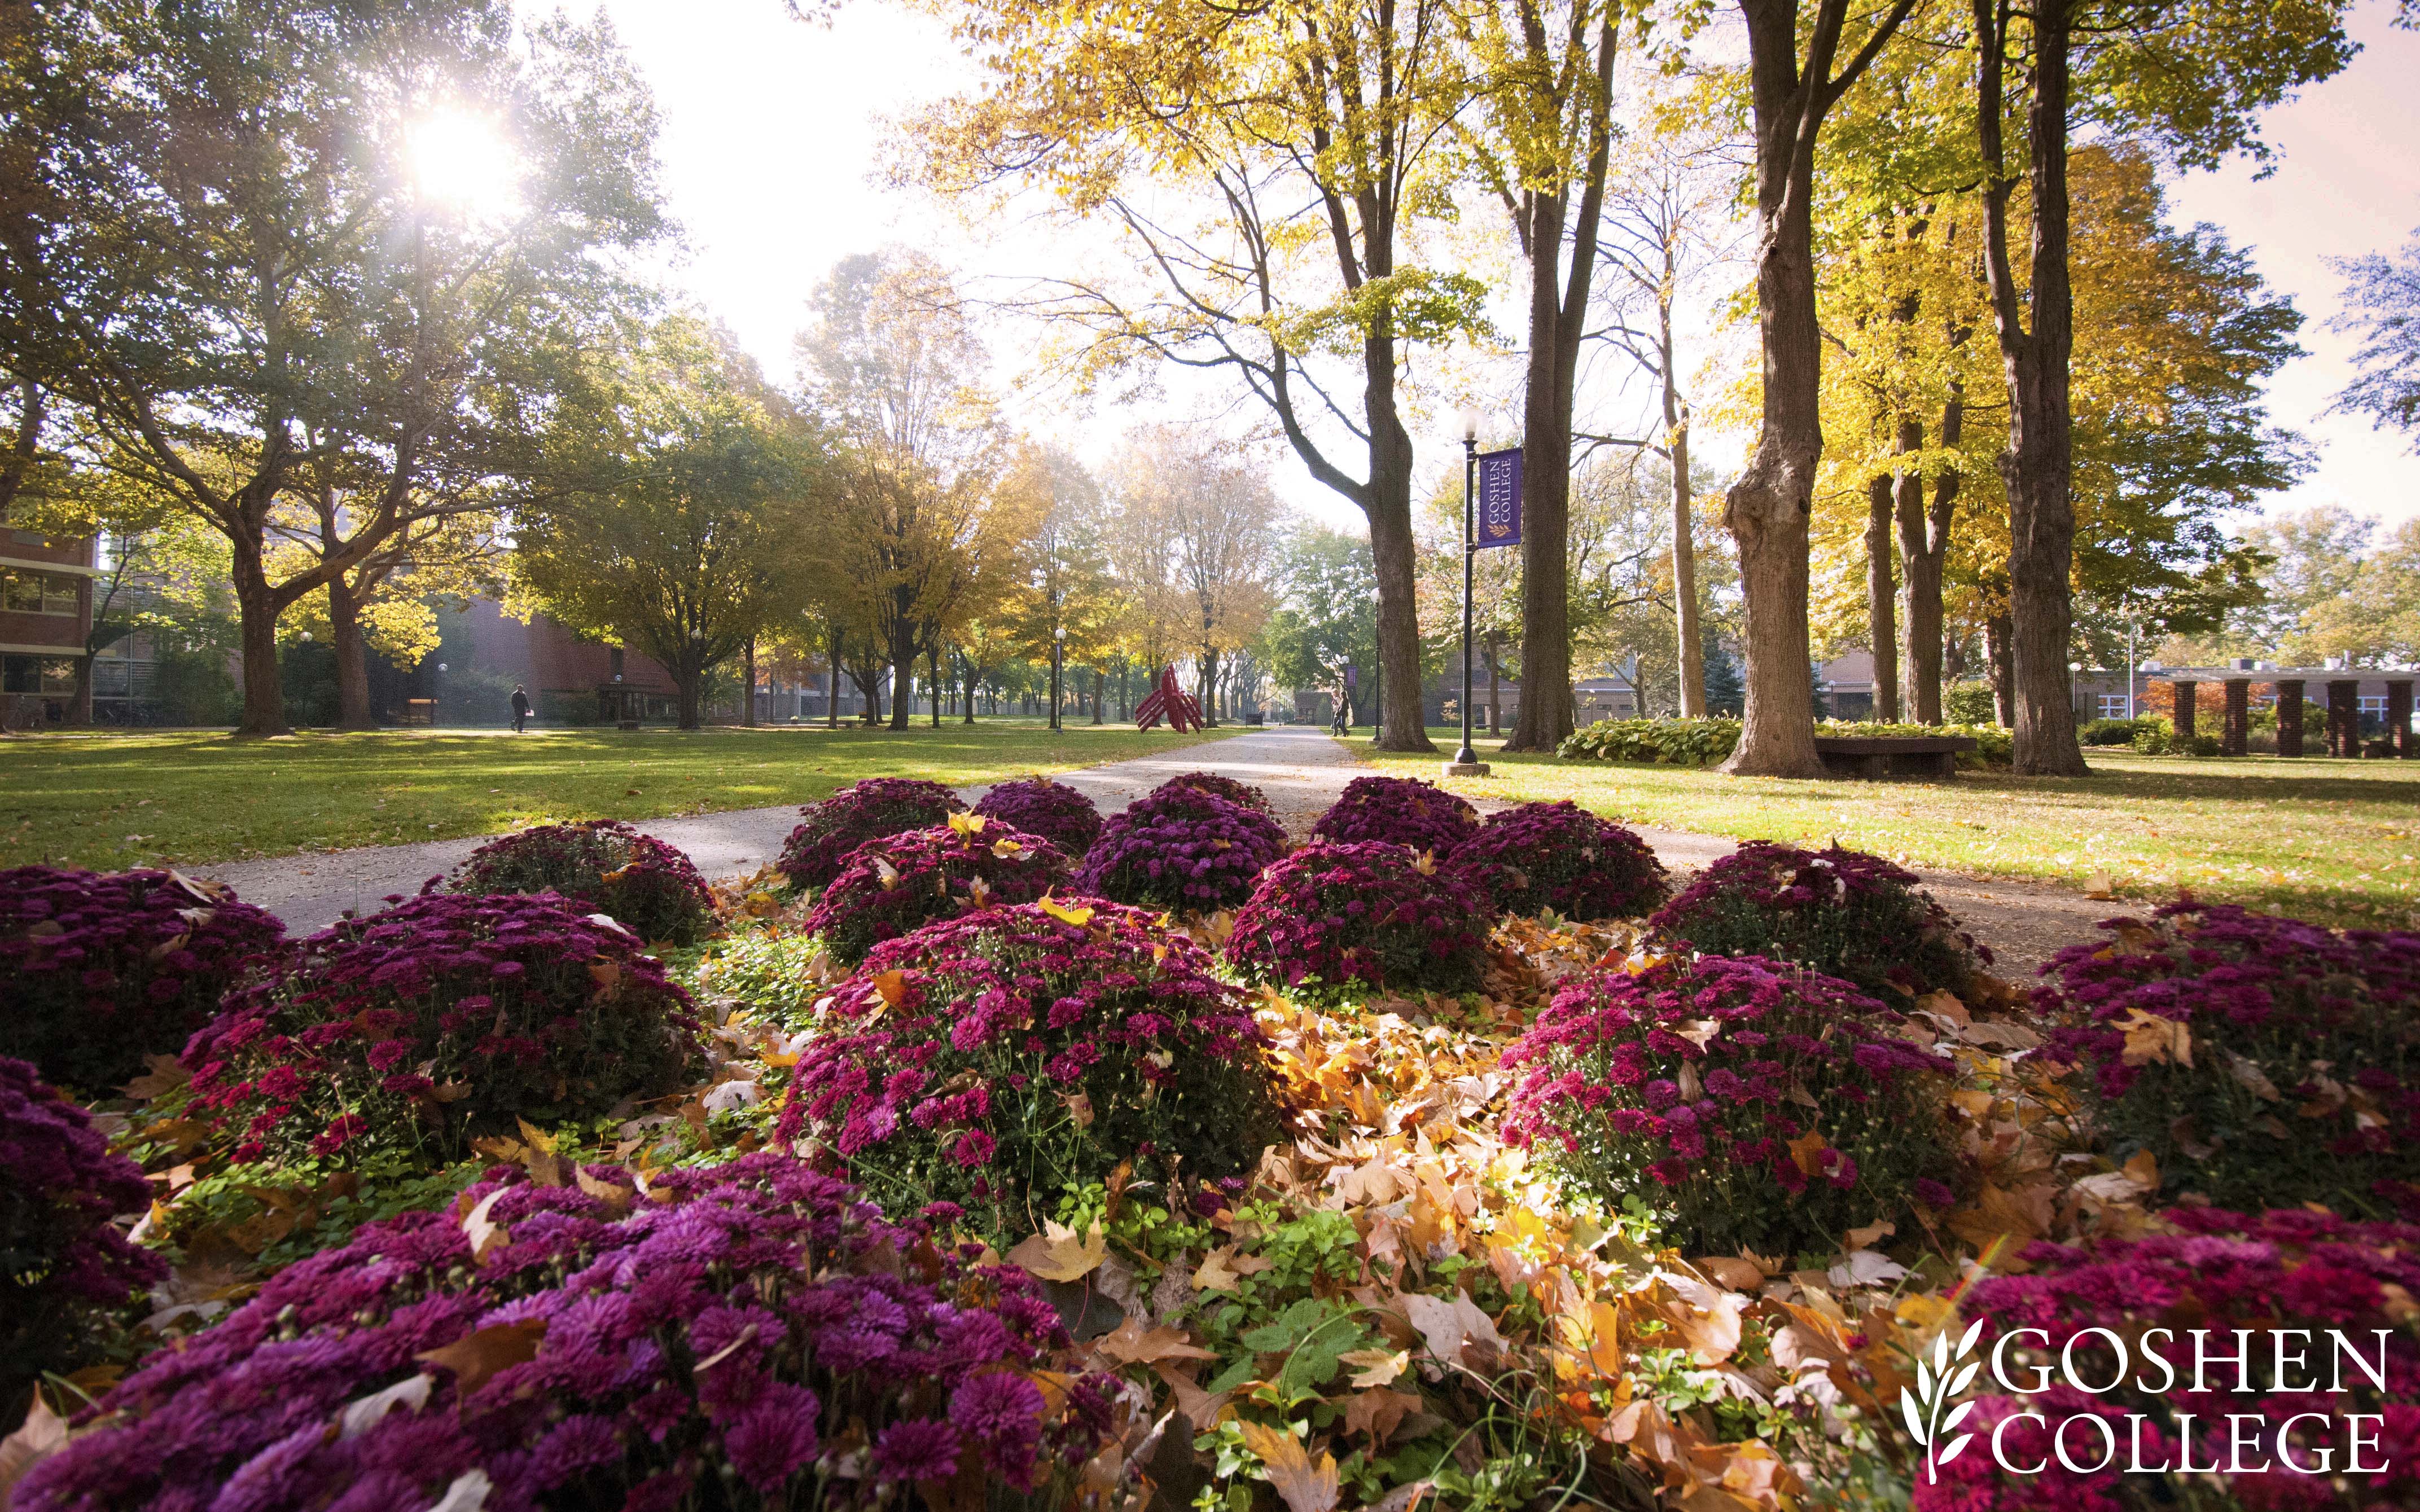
point(2344, 719)
point(2289, 718)
point(2236, 740)
point(2398, 718)
point(2186, 693)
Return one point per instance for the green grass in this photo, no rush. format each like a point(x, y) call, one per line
point(110, 801)
point(2333, 840)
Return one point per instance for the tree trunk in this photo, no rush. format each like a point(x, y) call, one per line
point(353, 710)
point(748, 694)
point(831, 685)
point(1923, 547)
point(903, 673)
point(256, 609)
point(1495, 687)
point(689, 680)
point(1392, 551)
point(1100, 681)
point(1685, 558)
point(969, 716)
point(1996, 658)
point(1882, 598)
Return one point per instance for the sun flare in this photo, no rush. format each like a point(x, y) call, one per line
point(461, 160)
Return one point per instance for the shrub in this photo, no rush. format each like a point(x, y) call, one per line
point(2270, 1275)
point(1698, 742)
point(1400, 812)
point(1053, 811)
point(1367, 914)
point(878, 805)
point(1844, 913)
point(1538, 856)
point(443, 1018)
point(1184, 850)
point(646, 885)
point(997, 1059)
point(105, 968)
point(1758, 1105)
point(1970, 703)
point(2263, 1061)
point(902, 882)
point(1242, 793)
point(1993, 745)
point(2111, 731)
point(64, 1266)
point(726, 1341)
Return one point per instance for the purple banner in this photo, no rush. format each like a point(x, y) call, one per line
point(1499, 499)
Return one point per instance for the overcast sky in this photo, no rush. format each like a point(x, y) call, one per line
point(772, 128)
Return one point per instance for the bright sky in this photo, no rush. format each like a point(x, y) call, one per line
point(772, 134)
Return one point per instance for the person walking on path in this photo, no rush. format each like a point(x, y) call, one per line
point(520, 708)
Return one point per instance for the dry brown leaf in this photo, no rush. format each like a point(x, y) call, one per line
point(1865, 1238)
point(1450, 1328)
point(483, 1233)
point(166, 1075)
point(2151, 1040)
point(1131, 1344)
point(481, 1354)
point(1376, 1368)
point(1378, 1412)
point(1222, 1268)
point(1303, 1484)
point(1059, 1253)
point(1732, 1272)
point(42, 1434)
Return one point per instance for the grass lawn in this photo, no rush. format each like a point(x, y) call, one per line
point(2334, 840)
point(110, 801)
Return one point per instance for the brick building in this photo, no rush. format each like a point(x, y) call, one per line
point(45, 614)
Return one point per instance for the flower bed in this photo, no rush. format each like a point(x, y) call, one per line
point(1705, 740)
point(878, 805)
point(64, 1266)
point(105, 968)
point(1370, 915)
point(1418, 814)
point(648, 888)
point(1840, 912)
point(891, 886)
point(2287, 1278)
point(1055, 811)
point(443, 1018)
point(996, 1060)
point(1537, 856)
point(1760, 1107)
point(1242, 793)
point(731, 1338)
point(1186, 850)
point(2263, 1062)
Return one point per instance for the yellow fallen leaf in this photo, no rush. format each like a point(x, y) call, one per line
point(1058, 1253)
point(1222, 1268)
point(1077, 917)
point(1375, 1367)
point(1303, 1484)
point(967, 823)
point(2151, 1040)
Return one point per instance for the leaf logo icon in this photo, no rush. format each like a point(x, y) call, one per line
point(1930, 1419)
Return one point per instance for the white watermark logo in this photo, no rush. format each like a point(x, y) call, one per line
point(1937, 1383)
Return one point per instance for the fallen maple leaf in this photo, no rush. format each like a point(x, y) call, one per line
point(1132, 1345)
point(1222, 1268)
point(1375, 1367)
point(1378, 1412)
point(1449, 1327)
point(1077, 917)
point(485, 1351)
point(42, 1434)
point(1301, 1484)
point(1057, 1254)
point(483, 1233)
point(166, 1075)
point(2150, 1039)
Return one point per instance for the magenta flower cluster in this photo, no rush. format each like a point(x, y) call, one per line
point(1181, 849)
point(1244, 795)
point(742, 1336)
point(1843, 913)
point(1400, 812)
point(2290, 1279)
point(1057, 812)
point(105, 968)
point(2305, 1076)
point(891, 886)
point(878, 805)
point(1362, 915)
point(1535, 857)
point(604, 864)
point(1758, 1103)
point(64, 1267)
point(443, 1018)
point(992, 1059)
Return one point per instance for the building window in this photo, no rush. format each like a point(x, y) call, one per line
point(2112, 705)
point(613, 660)
point(37, 674)
point(28, 592)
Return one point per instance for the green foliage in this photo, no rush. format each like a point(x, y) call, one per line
point(1671, 742)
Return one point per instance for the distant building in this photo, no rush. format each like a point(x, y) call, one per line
point(45, 614)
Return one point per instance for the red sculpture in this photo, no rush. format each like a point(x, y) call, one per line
point(1183, 713)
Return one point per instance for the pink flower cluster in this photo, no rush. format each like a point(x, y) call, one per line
point(647, 887)
point(1054, 810)
point(104, 968)
point(986, 1060)
point(442, 1018)
point(1181, 849)
point(1367, 915)
point(1840, 912)
point(898, 883)
point(1769, 1106)
point(1534, 857)
point(747, 1334)
point(64, 1266)
point(878, 805)
point(2291, 1280)
point(1400, 812)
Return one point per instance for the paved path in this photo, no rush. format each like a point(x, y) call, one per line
point(1300, 769)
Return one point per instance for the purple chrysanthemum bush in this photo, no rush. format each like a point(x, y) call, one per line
point(1399, 811)
point(65, 1268)
point(2263, 1061)
point(1057, 812)
point(900, 883)
point(604, 864)
point(1840, 912)
point(1761, 1106)
point(105, 968)
point(1368, 915)
point(879, 806)
point(443, 1018)
point(2291, 1280)
point(746, 1336)
point(1537, 856)
point(994, 1060)
point(1242, 795)
point(1182, 849)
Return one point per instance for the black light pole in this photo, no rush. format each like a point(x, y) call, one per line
point(1465, 756)
point(1058, 648)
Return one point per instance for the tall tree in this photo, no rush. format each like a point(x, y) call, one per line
point(2382, 304)
point(1218, 516)
point(1068, 603)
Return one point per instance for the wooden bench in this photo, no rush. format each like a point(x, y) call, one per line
point(1875, 758)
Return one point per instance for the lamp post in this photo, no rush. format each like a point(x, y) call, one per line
point(1466, 761)
point(1057, 653)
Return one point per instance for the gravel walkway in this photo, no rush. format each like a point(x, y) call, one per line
point(1300, 769)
